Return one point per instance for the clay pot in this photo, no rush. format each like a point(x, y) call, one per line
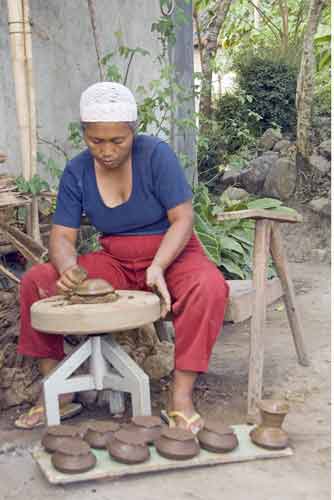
point(73, 456)
point(148, 428)
point(177, 444)
point(128, 447)
point(217, 437)
point(55, 434)
point(99, 433)
point(269, 433)
point(94, 287)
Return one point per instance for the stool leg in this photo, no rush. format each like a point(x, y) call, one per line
point(281, 264)
point(133, 379)
point(55, 383)
point(256, 355)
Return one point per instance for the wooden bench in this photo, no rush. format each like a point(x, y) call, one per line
point(249, 299)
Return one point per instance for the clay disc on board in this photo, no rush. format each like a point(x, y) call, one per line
point(132, 310)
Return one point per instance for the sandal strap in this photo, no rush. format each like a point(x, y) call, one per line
point(188, 420)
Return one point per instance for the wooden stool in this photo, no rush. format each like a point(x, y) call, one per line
point(110, 367)
point(268, 239)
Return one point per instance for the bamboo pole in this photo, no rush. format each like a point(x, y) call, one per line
point(20, 40)
point(35, 229)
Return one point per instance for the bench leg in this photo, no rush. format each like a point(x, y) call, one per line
point(281, 264)
point(162, 331)
point(260, 264)
point(130, 378)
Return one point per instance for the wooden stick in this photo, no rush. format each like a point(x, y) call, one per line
point(281, 264)
point(256, 355)
point(9, 274)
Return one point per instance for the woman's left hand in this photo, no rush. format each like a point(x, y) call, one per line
point(155, 280)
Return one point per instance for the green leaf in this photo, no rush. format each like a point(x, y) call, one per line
point(232, 268)
point(264, 203)
point(229, 243)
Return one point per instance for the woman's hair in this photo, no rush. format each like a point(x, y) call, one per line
point(132, 125)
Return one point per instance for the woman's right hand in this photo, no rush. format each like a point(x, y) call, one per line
point(70, 279)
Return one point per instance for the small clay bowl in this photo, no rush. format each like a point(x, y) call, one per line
point(272, 438)
point(128, 447)
point(217, 437)
point(55, 433)
point(177, 444)
point(149, 428)
point(98, 433)
point(73, 456)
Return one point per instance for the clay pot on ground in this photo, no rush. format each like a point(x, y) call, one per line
point(99, 433)
point(269, 433)
point(217, 437)
point(148, 428)
point(73, 456)
point(55, 434)
point(127, 447)
point(177, 444)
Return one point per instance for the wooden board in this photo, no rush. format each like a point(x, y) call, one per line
point(240, 304)
point(108, 468)
point(261, 213)
point(132, 310)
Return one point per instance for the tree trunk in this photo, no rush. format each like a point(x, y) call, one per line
point(305, 86)
point(210, 32)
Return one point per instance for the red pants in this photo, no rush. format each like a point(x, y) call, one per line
point(198, 290)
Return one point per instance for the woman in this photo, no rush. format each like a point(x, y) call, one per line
point(135, 193)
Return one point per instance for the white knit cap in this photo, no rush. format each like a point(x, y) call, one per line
point(108, 102)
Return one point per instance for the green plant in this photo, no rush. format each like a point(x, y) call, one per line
point(229, 244)
point(271, 84)
point(34, 186)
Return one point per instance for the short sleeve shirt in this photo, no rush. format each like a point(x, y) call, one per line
point(158, 185)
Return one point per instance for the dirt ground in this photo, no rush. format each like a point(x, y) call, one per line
point(304, 476)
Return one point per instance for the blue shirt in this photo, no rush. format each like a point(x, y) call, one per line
point(158, 184)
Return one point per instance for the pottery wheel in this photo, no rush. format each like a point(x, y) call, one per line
point(132, 310)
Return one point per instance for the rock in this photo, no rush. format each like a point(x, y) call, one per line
point(236, 193)
point(320, 164)
point(282, 146)
point(270, 154)
point(281, 180)
point(269, 139)
point(319, 254)
point(229, 178)
point(321, 206)
point(252, 179)
point(325, 149)
point(161, 363)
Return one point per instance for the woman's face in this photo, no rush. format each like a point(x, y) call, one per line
point(109, 143)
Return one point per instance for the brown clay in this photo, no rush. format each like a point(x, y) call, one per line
point(177, 444)
point(149, 428)
point(98, 433)
point(69, 464)
point(269, 433)
point(56, 433)
point(217, 437)
point(128, 447)
point(94, 287)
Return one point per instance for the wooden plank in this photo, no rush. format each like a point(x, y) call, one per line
point(107, 468)
point(242, 293)
point(260, 213)
point(260, 264)
point(280, 260)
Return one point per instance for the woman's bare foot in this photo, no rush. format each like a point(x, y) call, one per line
point(35, 417)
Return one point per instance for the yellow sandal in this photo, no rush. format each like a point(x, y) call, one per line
point(67, 411)
point(190, 421)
